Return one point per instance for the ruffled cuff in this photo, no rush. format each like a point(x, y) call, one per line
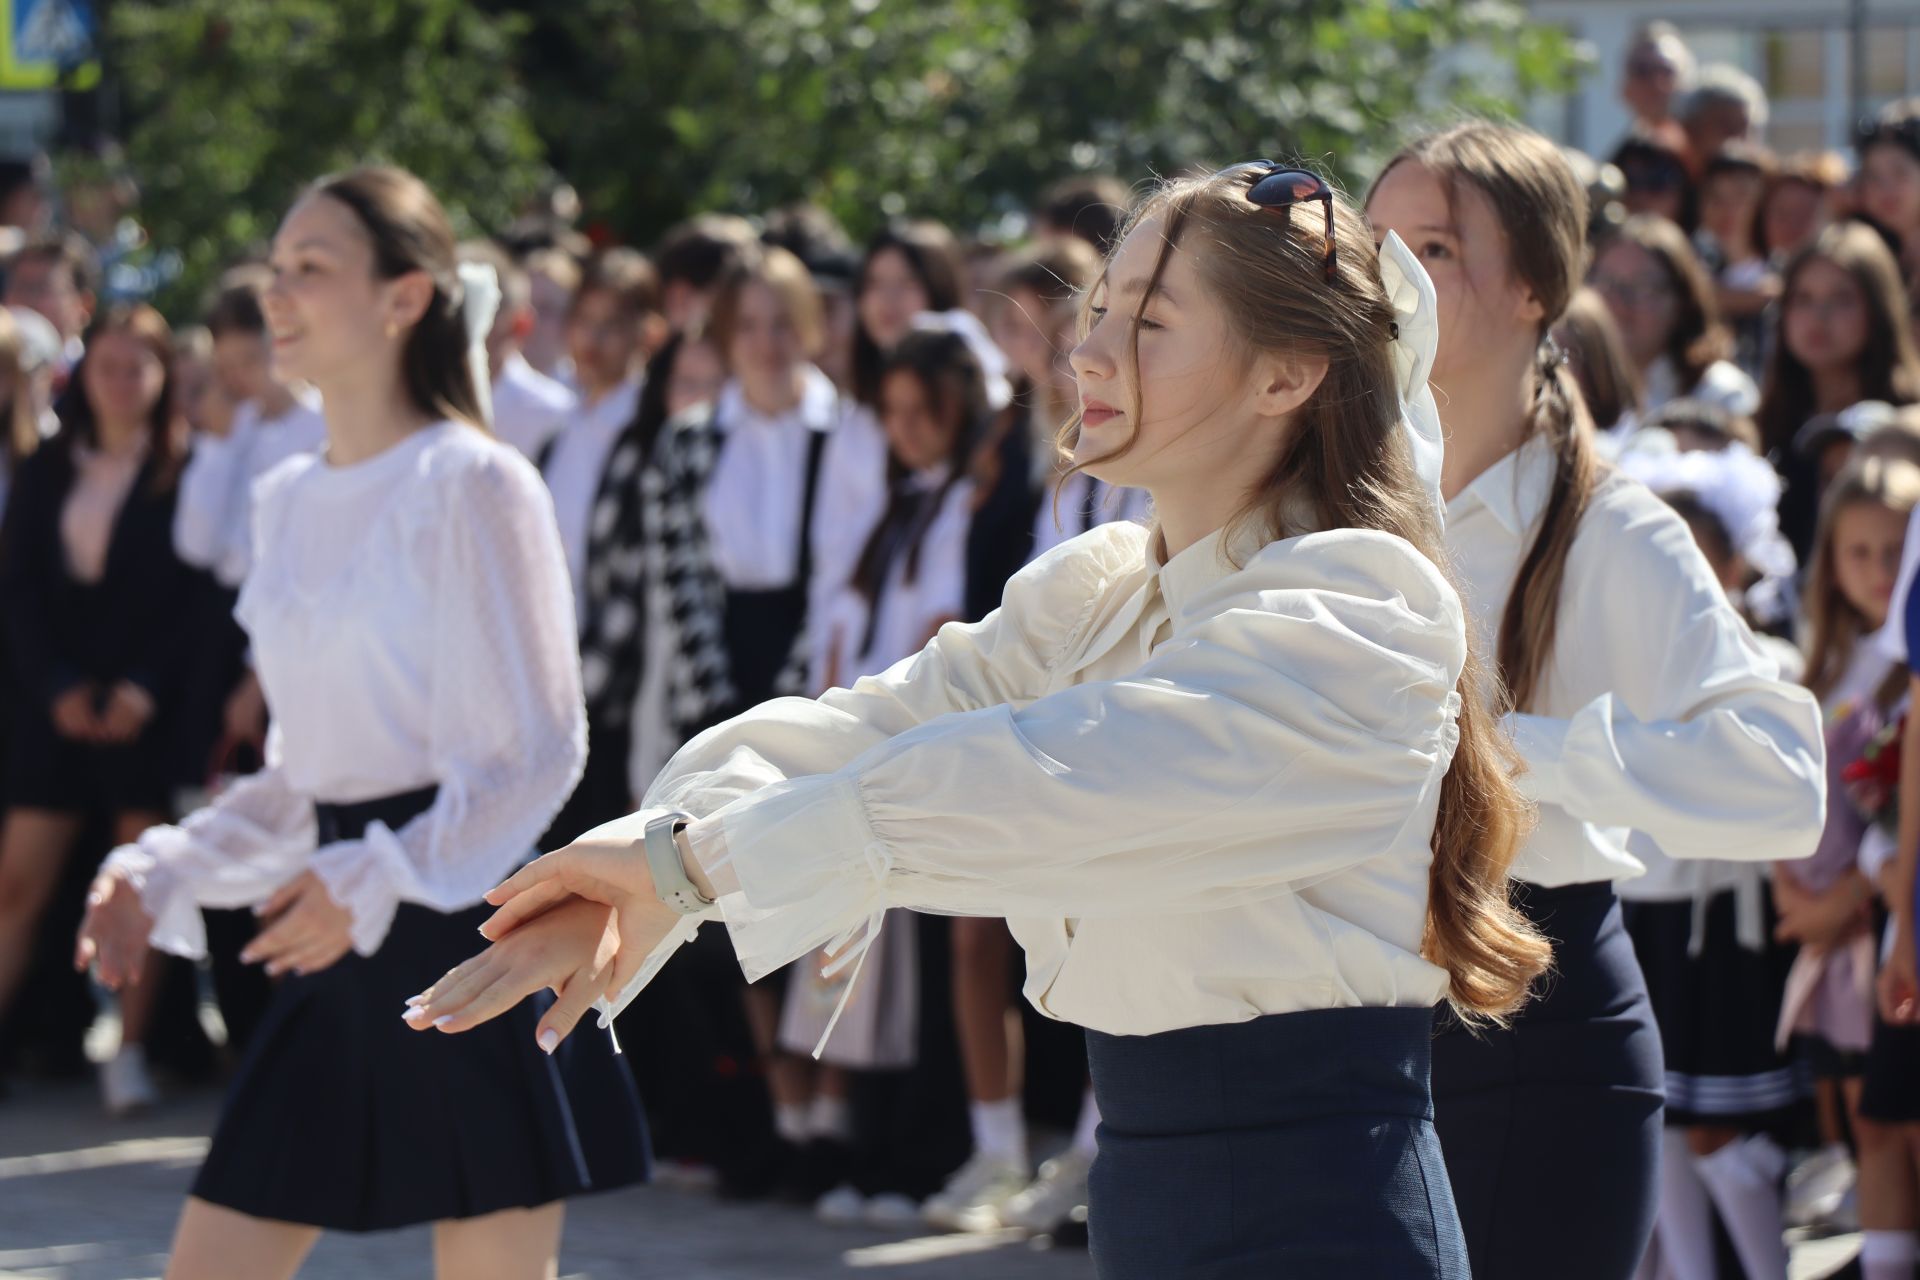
point(365, 876)
point(178, 927)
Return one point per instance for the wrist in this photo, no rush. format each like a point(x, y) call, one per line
point(696, 873)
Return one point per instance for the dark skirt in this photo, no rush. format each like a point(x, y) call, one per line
point(1718, 1011)
point(1551, 1126)
point(1297, 1145)
point(343, 1117)
point(1890, 1091)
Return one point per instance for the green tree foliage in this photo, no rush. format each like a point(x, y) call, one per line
point(655, 109)
point(233, 105)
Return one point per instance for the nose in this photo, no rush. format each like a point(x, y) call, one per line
point(1090, 359)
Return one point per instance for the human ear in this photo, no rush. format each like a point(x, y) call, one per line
point(1285, 382)
point(408, 297)
point(1529, 310)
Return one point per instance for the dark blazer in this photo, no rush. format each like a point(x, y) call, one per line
point(138, 623)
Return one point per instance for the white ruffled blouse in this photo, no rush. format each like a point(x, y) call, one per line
point(1198, 794)
point(412, 625)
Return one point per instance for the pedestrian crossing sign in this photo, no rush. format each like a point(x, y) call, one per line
point(48, 44)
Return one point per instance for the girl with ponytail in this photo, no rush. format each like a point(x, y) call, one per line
point(1624, 670)
point(1232, 779)
point(413, 630)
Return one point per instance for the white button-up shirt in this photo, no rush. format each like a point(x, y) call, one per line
point(529, 408)
point(1657, 711)
point(1198, 793)
point(573, 472)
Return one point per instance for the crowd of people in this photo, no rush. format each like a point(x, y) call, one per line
point(779, 461)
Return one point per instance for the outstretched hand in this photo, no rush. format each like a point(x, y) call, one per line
point(580, 921)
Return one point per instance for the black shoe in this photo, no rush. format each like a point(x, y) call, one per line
point(816, 1169)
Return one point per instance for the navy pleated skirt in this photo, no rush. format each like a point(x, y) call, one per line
point(1551, 1126)
point(1297, 1145)
point(343, 1117)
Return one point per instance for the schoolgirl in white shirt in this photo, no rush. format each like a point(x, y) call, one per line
point(1626, 669)
point(411, 622)
point(1253, 731)
point(529, 408)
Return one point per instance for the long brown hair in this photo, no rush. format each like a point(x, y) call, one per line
point(934, 257)
point(410, 232)
point(1346, 463)
point(1889, 364)
point(1834, 626)
point(1543, 210)
point(167, 449)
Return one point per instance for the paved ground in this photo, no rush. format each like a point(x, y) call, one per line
point(86, 1198)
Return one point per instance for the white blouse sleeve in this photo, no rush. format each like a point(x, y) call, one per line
point(253, 838)
point(508, 733)
point(1297, 723)
point(205, 509)
point(1699, 744)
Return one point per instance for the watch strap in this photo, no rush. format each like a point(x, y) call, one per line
point(670, 878)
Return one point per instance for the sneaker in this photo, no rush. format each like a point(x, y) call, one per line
point(125, 1086)
point(1818, 1186)
point(1050, 1201)
point(891, 1211)
point(972, 1198)
point(843, 1206)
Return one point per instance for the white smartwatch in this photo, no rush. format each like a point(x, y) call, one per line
point(670, 878)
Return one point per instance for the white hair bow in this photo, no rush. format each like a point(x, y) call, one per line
point(479, 301)
point(1416, 311)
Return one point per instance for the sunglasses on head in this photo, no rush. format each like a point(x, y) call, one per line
point(1279, 188)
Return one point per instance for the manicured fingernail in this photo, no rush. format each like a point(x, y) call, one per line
point(549, 1040)
point(414, 1002)
point(414, 1015)
point(443, 1021)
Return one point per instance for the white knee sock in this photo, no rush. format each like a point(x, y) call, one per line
point(1684, 1227)
point(1888, 1255)
point(790, 1121)
point(1083, 1133)
point(1743, 1178)
point(830, 1118)
point(999, 1129)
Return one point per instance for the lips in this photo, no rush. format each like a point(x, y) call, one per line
point(1095, 412)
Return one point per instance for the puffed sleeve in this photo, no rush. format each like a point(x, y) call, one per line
point(508, 732)
point(1699, 744)
point(1298, 722)
point(209, 488)
point(254, 837)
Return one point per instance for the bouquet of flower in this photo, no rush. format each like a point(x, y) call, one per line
point(1873, 780)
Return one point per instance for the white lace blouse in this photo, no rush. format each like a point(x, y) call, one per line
point(412, 625)
point(1198, 794)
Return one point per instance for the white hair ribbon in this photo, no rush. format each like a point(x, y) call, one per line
point(967, 327)
point(1416, 310)
point(479, 301)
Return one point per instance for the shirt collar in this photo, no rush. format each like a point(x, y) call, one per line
point(1199, 567)
point(1514, 490)
point(819, 399)
point(616, 408)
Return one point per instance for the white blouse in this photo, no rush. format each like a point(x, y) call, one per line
point(753, 502)
point(529, 408)
point(1657, 712)
point(411, 625)
point(908, 611)
point(213, 522)
point(1198, 794)
point(574, 471)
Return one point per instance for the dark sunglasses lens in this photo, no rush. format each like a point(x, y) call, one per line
point(1289, 186)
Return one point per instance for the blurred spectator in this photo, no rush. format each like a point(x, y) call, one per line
point(528, 406)
point(1725, 105)
point(1658, 181)
point(24, 206)
point(1799, 202)
point(1598, 359)
point(1091, 206)
point(1889, 184)
point(552, 276)
point(1663, 301)
point(1658, 71)
point(1731, 192)
point(693, 257)
point(816, 237)
point(57, 276)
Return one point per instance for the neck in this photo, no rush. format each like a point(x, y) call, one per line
point(772, 396)
point(367, 416)
point(1483, 417)
point(277, 399)
point(119, 437)
point(1835, 389)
